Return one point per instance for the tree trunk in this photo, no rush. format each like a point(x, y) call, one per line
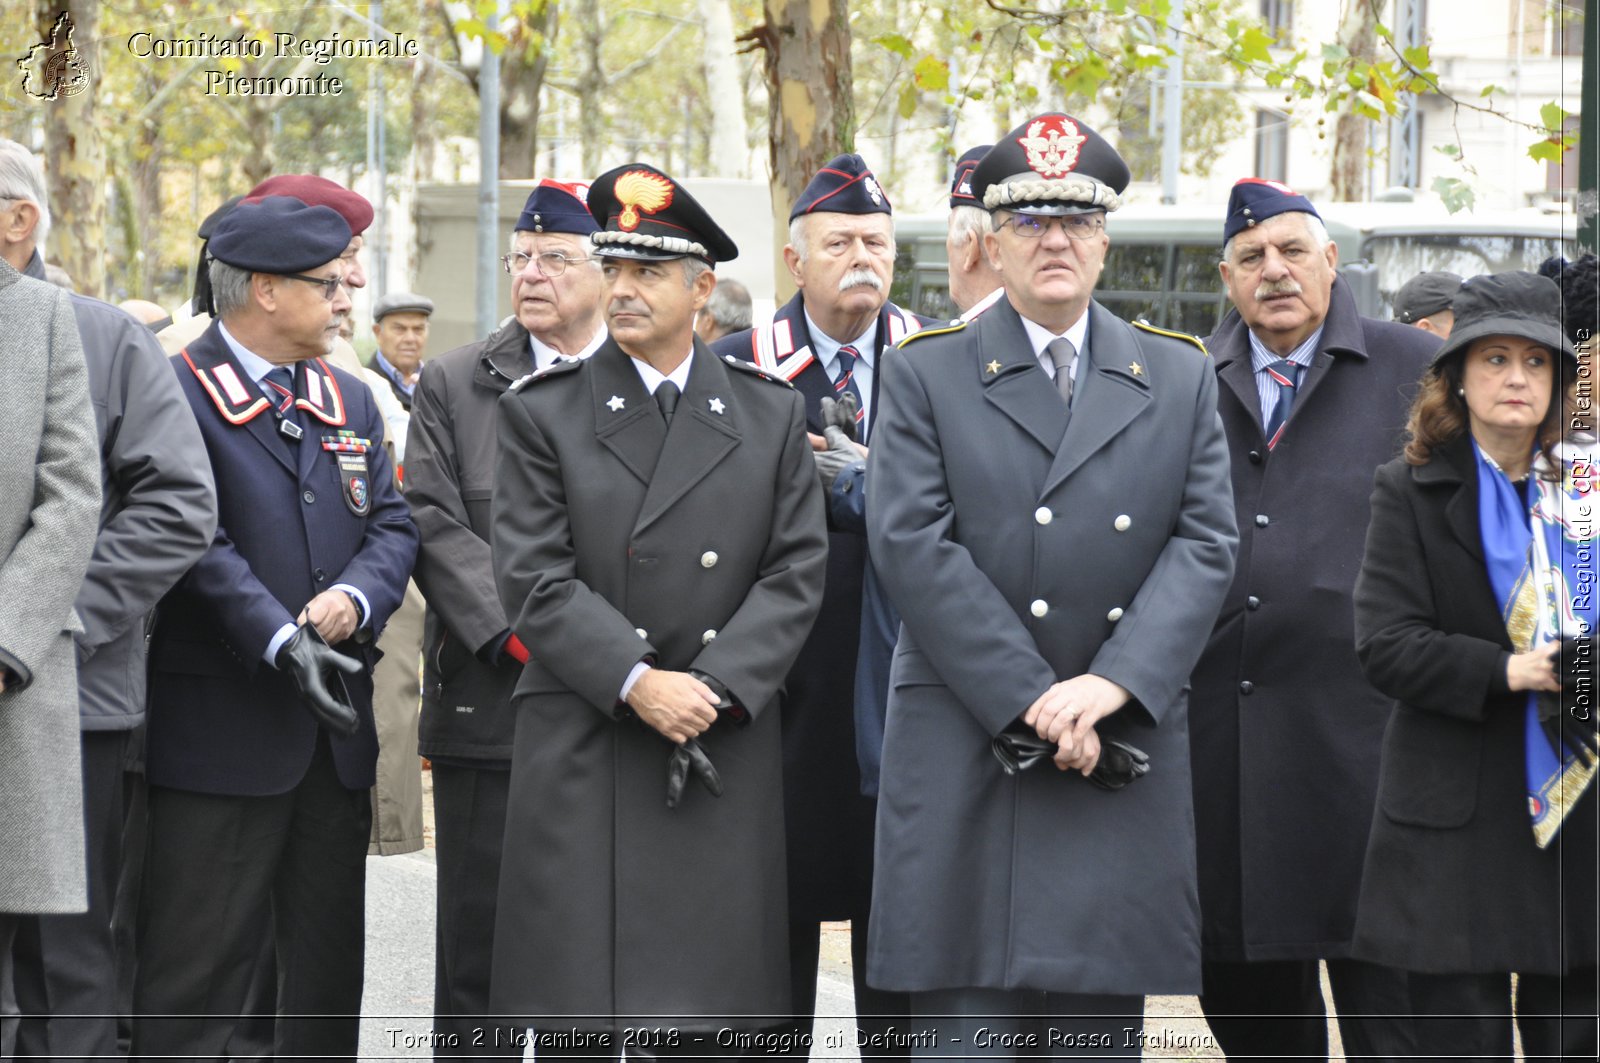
point(522, 70)
point(729, 148)
point(811, 117)
point(1358, 34)
point(591, 87)
point(75, 156)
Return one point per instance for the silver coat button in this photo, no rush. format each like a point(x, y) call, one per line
point(1039, 607)
point(1122, 523)
point(1043, 515)
point(641, 632)
point(708, 559)
point(705, 639)
point(1115, 614)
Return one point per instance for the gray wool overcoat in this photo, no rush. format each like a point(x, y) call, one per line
point(49, 511)
point(1021, 548)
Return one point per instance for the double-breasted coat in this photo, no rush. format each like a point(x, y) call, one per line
point(222, 720)
point(829, 820)
point(1285, 728)
point(617, 539)
point(1453, 882)
point(49, 510)
point(1023, 547)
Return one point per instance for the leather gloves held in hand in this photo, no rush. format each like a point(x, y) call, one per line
point(1119, 764)
point(685, 758)
point(315, 668)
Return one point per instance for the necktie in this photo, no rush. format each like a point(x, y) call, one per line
point(280, 384)
point(845, 384)
point(667, 395)
point(1061, 354)
point(1286, 375)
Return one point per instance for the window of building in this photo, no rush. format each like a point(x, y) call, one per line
point(1272, 145)
point(1279, 18)
point(1566, 26)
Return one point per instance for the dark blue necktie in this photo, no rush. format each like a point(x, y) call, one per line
point(845, 383)
point(280, 382)
point(1286, 375)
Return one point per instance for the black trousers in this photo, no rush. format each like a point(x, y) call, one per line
point(987, 1024)
point(877, 1010)
point(222, 873)
point(1468, 1017)
point(469, 808)
point(1274, 1009)
point(65, 966)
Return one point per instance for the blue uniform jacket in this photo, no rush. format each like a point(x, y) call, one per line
point(221, 719)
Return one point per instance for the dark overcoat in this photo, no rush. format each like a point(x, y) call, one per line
point(618, 540)
point(1023, 547)
point(1285, 727)
point(222, 720)
point(450, 455)
point(1453, 882)
point(829, 821)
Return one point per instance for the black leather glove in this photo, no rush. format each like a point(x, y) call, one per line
point(841, 413)
point(1018, 750)
point(727, 708)
point(685, 757)
point(315, 668)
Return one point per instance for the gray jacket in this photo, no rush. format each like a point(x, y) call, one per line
point(159, 509)
point(48, 499)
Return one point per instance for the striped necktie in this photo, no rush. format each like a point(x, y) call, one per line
point(1286, 375)
point(280, 384)
point(845, 383)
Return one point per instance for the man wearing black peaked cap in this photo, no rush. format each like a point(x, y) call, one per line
point(828, 341)
point(261, 745)
point(659, 548)
point(471, 659)
point(1285, 728)
point(973, 280)
point(1048, 507)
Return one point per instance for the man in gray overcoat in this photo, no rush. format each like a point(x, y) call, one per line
point(48, 511)
point(659, 546)
point(1287, 730)
point(1048, 506)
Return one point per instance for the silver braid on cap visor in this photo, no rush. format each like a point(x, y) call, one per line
point(675, 244)
point(1030, 188)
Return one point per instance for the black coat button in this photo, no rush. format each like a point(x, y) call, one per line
point(320, 575)
point(1252, 602)
point(310, 497)
point(1255, 457)
point(1261, 520)
point(1246, 687)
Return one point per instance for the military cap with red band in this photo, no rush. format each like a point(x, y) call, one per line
point(961, 184)
point(1051, 164)
point(1255, 199)
point(317, 191)
point(556, 207)
point(643, 213)
point(844, 186)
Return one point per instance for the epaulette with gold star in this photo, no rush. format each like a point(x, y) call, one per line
point(933, 330)
point(754, 370)
point(565, 365)
point(1184, 336)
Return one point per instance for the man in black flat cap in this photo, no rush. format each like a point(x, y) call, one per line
point(1424, 301)
point(472, 660)
point(659, 548)
point(1048, 509)
point(827, 341)
point(261, 745)
point(1285, 728)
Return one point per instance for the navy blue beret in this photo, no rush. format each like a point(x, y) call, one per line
point(556, 207)
point(1051, 164)
point(844, 186)
point(961, 183)
point(279, 234)
point(644, 213)
point(1255, 199)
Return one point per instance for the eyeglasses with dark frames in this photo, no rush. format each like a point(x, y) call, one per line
point(329, 285)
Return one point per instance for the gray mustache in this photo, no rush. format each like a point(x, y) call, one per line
point(858, 277)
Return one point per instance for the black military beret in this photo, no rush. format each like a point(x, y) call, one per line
point(556, 207)
point(961, 183)
point(209, 226)
point(643, 213)
point(843, 186)
point(1051, 164)
point(1424, 294)
point(279, 234)
point(1255, 199)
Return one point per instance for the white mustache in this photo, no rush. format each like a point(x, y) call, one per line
point(1283, 287)
point(858, 277)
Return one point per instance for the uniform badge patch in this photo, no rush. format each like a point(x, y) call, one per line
point(1052, 145)
point(357, 483)
point(638, 190)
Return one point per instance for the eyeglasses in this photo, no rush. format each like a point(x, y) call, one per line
point(551, 263)
point(1076, 226)
point(329, 285)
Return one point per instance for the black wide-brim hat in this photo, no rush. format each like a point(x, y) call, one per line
point(1517, 303)
point(643, 213)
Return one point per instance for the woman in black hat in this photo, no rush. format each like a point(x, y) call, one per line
point(1480, 567)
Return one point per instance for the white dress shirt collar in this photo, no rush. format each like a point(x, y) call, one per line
point(544, 355)
point(1077, 334)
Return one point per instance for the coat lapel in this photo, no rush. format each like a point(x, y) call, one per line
point(1455, 465)
point(237, 399)
point(626, 420)
point(1013, 380)
point(1108, 394)
point(700, 436)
